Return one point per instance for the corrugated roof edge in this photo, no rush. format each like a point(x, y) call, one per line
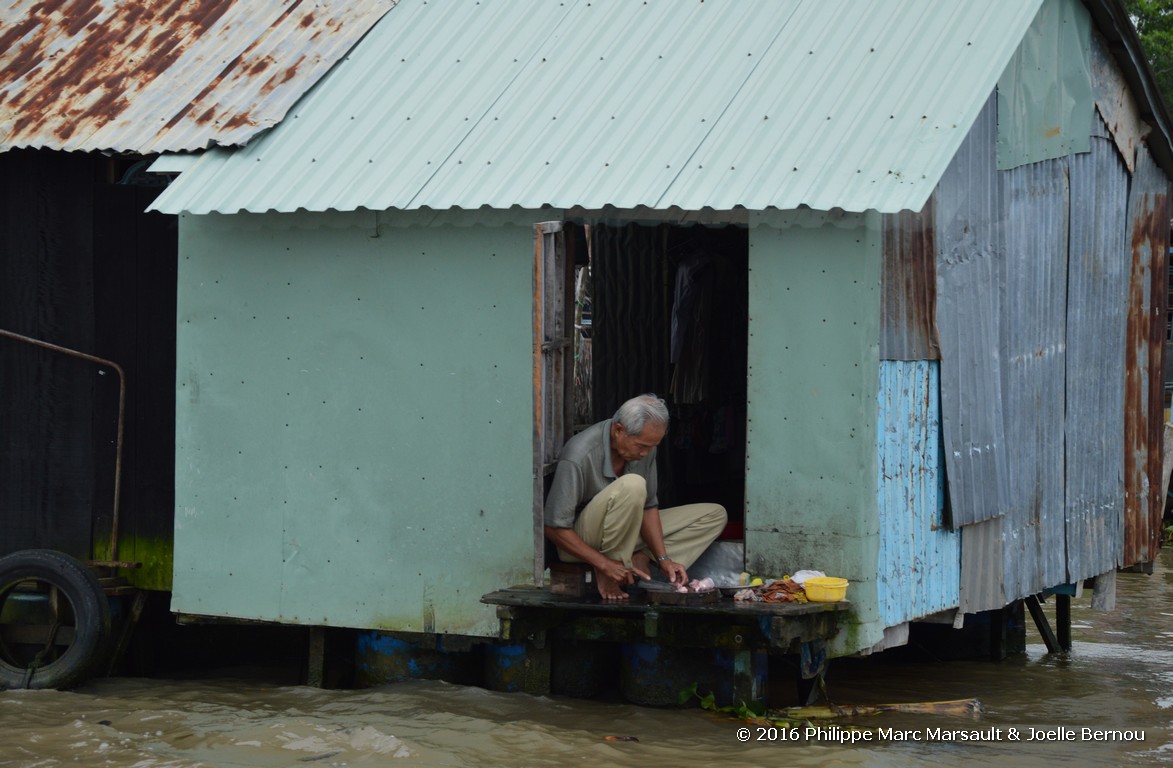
point(173, 162)
point(1113, 23)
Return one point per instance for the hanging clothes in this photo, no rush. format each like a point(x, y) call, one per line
point(691, 308)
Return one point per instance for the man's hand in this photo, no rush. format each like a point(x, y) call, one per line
point(674, 571)
point(613, 575)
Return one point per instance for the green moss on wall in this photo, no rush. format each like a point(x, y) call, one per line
point(155, 554)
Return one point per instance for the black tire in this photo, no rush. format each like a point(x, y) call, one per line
point(54, 620)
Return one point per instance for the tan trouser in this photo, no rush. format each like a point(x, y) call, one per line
point(611, 521)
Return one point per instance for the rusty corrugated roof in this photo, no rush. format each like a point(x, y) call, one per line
point(163, 75)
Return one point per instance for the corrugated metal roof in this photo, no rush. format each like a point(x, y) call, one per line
point(718, 104)
point(163, 75)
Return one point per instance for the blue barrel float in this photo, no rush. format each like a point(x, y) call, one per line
point(383, 657)
point(655, 675)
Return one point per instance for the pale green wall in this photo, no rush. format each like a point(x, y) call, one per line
point(1045, 100)
point(814, 308)
point(354, 420)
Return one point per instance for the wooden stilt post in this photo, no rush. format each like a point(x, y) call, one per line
point(1036, 613)
point(316, 665)
point(1063, 620)
point(812, 670)
point(750, 672)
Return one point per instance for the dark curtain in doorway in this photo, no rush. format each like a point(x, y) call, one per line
point(630, 303)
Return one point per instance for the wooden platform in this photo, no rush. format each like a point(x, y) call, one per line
point(727, 623)
point(527, 596)
point(676, 644)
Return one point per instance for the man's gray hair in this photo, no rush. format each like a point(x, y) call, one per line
point(639, 410)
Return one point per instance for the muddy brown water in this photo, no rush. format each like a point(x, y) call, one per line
point(1108, 702)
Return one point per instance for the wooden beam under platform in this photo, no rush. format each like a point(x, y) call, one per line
point(746, 631)
point(726, 623)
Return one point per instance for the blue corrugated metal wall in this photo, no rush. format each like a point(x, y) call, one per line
point(920, 558)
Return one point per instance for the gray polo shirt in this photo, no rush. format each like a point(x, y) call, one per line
point(584, 469)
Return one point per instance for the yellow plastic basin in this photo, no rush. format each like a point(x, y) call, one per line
point(825, 589)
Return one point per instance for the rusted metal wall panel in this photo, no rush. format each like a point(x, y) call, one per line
point(1122, 43)
point(920, 558)
point(1114, 100)
point(1148, 233)
point(1079, 378)
point(1034, 358)
point(158, 75)
point(1097, 296)
point(970, 252)
point(908, 287)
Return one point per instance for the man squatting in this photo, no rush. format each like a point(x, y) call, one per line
point(602, 508)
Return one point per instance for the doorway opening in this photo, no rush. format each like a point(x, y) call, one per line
point(669, 315)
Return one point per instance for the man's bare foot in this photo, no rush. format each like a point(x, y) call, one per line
point(608, 588)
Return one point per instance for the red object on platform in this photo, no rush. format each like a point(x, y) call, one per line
point(734, 530)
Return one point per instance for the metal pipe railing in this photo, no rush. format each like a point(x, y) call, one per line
point(121, 414)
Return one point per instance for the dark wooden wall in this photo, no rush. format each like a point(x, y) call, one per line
point(82, 266)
